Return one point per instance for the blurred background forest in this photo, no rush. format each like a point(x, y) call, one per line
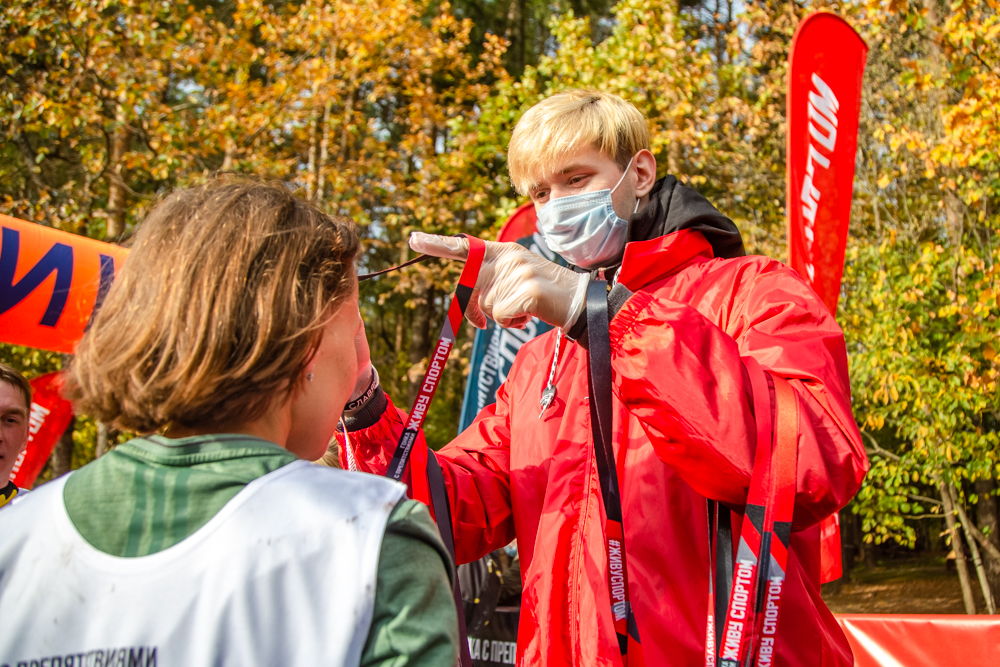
point(397, 113)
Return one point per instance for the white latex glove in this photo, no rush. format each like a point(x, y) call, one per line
point(514, 284)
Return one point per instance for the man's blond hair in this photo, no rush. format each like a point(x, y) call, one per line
point(567, 121)
point(217, 310)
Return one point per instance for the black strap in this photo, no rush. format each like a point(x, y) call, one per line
point(442, 514)
point(599, 379)
point(600, 382)
point(723, 566)
point(418, 258)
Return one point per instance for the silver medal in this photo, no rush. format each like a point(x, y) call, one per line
point(547, 396)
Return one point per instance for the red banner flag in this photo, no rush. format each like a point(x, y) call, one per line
point(50, 416)
point(830, 566)
point(826, 63)
point(49, 283)
point(521, 223)
point(825, 68)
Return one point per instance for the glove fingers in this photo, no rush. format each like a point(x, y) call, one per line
point(508, 308)
point(517, 322)
point(474, 313)
point(448, 247)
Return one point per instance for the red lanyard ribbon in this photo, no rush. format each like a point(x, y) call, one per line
point(427, 478)
point(762, 556)
point(432, 378)
point(782, 502)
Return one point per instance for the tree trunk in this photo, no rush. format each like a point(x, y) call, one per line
point(956, 543)
point(103, 437)
point(989, 521)
point(313, 154)
point(345, 130)
point(674, 151)
point(395, 382)
point(866, 551)
point(986, 509)
point(848, 544)
point(116, 184)
point(229, 156)
point(515, 34)
point(31, 166)
point(868, 554)
point(420, 343)
point(974, 550)
point(522, 33)
point(62, 455)
point(324, 153)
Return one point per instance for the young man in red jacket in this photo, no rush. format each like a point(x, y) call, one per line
point(690, 314)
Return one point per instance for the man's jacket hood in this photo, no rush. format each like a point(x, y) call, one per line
point(674, 206)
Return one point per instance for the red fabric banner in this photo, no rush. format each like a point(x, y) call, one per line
point(826, 64)
point(49, 418)
point(919, 640)
point(49, 283)
point(830, 566)
point(825, 68)
point(521, 223)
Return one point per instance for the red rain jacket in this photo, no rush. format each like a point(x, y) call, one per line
point(684, 432)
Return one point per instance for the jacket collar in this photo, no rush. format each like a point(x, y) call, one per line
point(645, 262)
point(672, 208)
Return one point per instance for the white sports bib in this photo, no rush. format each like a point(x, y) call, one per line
point(284, 575)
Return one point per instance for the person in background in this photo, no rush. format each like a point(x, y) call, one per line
point(15, 407)
point(212, 539)
point(695, 323)
point(491, 594)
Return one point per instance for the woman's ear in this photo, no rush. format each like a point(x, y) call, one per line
point(645, 169)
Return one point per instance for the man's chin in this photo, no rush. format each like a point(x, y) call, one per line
point(5, 469)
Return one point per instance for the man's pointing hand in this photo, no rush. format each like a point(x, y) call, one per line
point(514, 284)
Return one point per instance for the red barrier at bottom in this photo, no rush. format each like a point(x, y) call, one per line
point(921, 640)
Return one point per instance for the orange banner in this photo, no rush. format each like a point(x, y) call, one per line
point(49, 283)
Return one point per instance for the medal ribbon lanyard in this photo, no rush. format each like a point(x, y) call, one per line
point(418, 412)
point(599, 378)
point(762, 556)
point(432, 378)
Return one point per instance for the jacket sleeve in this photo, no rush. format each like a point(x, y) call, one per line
point(476, 470)
point(414, 620)
point(682, 376)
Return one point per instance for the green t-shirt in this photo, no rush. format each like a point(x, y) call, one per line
point(150, 493)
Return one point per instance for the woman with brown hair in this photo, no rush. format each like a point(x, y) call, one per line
point(228, 339)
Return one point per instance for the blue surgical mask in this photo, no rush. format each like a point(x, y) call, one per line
point(584, 229)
